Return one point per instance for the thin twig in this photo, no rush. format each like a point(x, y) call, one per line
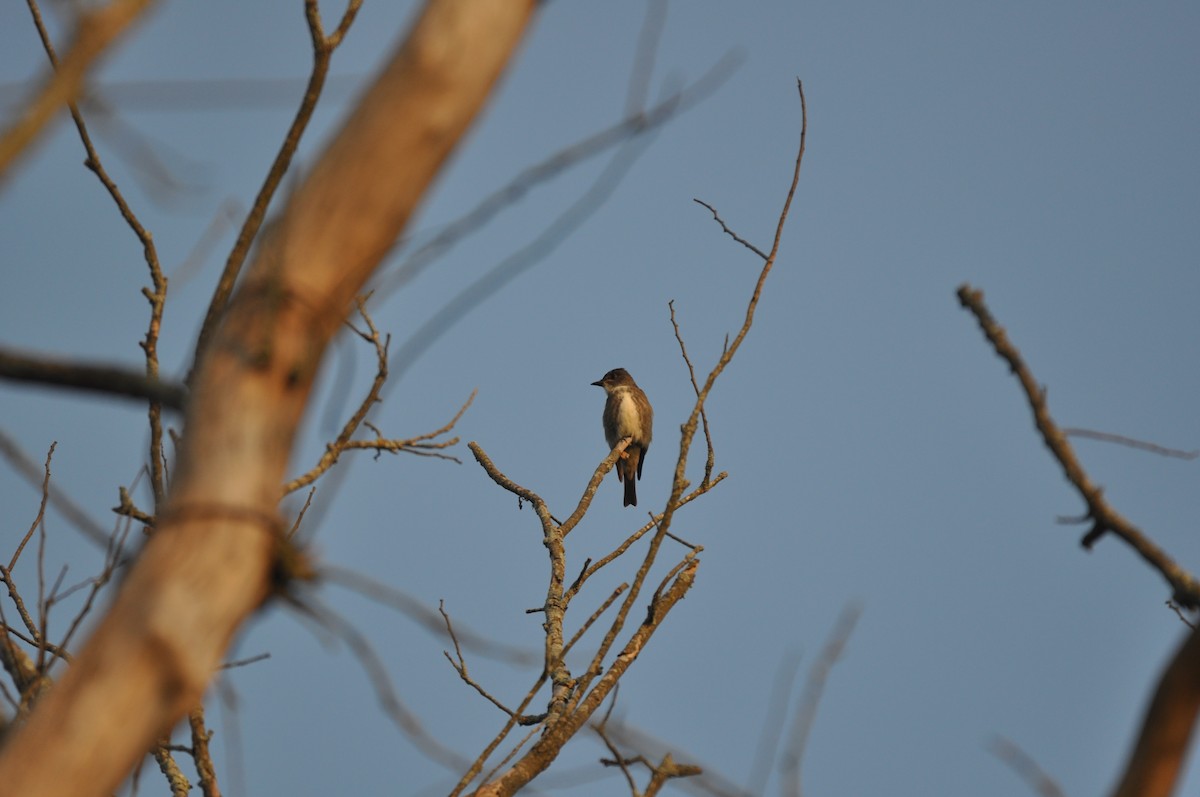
point(27, 467)
point(40, 518)
point(771, 730)
point(419, 613)
point(806, 711)
point(710, 460)
point(1131, 442)
point(530, 177)
point(156, 294)
point(460, 666)
point(385, 692)
point(1023, 764)
point(725, 228)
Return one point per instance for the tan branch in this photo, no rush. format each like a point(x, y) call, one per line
point(323, 47)
point(95, 32)
point(1162, 745)
point(1185, 588)
point(156, 294)
point(210, 562)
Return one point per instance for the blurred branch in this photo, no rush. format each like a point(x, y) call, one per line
point(1158, 757)
point(771, 733)
point(95, 30)
point(628, 133)
point(1131, 442)
point(1185, 588)
point(636, 124)
point(23, 464)
point(810, 698)
point(111, 379)
point(1024, 765)
point(389, 700)
point(212, 562)
point(156, 294)
point(323, 48)
point(420, 614)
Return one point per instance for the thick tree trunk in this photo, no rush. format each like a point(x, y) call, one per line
point(209, 564)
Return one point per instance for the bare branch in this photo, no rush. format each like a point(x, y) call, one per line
point(402, 717)
point(1185, 588)
point(530, 177)
point(1131, 442)
point(111, 379)
point(1158, 757)
point(23, 464)
point(323, 47)
point(771, 732)
point(419, 613)
point(212, 561)
point(1021, 763)
point(725, 228)
point(806, 712)
point(95, 31)
point(201, 755)
point(460, 666)
point(156, 294)
point(422, 445)
point(710, 460)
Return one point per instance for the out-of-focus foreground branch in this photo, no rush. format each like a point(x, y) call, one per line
point(209, 564)
point(96, 31)
point(1161, 749)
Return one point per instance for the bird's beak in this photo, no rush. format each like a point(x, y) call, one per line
point(598, 384)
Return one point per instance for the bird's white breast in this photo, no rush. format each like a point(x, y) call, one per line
point(629, 420)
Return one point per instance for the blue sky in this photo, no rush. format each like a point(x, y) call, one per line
point(879, 453)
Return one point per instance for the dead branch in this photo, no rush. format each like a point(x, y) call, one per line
point(1161, 751)
point(210, 562)
point(1130, 442)
point(1104, 518)
point(95, 32)
point(1025, 766)
point(810, 698)
point(156, 294)
point(574, 700)
point(24, 465)
point(323, 48)
point(111, 379)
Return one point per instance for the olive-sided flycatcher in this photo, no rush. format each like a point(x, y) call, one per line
point(627, 413)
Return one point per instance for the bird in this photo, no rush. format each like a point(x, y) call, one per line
point(627, 413)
